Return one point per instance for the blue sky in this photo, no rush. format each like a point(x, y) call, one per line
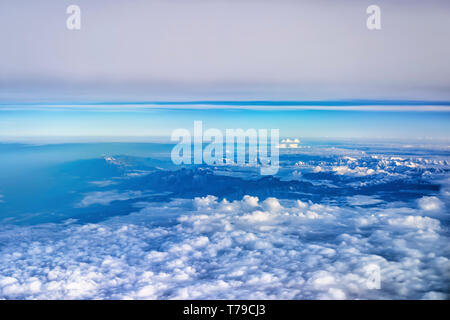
point(136, 124)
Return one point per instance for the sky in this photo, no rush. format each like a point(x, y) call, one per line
point(129, 55)
point(216, 49)
point(93, 124)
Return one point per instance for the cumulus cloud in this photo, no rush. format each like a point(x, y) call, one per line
point(357, 171)
point(219, 249)
point(416, 222)
point(430, 203)
point(357, 168)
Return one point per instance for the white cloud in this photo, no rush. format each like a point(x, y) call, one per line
point(104, 183)
point(430, 203)
point(361, 169)
point(360, 200)
point(357, 171)
point(106, 197)
point(272, 204)
point(416, 222)
point(246, 249)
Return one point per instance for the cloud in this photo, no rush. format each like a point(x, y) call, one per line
point(104, 198)
point(430, 203)
point(362, 169)
point(360, 200)
point(104, 183)
point(357, 171)
point(416, 222)
point(206, 248)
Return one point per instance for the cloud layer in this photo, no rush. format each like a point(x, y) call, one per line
point(247, 249)
point(319, 230)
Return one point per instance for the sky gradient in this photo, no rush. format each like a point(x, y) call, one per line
point(61, 124)
point(141, 69)
point(214, 49)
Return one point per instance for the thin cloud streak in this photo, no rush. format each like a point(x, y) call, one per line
point(125, 107)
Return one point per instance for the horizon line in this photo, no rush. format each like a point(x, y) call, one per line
point(253, 105)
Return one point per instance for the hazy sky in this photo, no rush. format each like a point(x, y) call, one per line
point(217, 49)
